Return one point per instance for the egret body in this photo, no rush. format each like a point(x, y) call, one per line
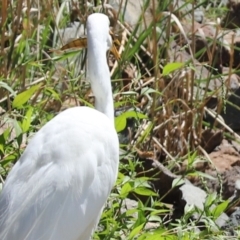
point(58, 187)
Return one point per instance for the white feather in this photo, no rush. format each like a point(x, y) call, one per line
point(57, 189)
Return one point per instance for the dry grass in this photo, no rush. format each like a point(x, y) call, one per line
point(174, 104)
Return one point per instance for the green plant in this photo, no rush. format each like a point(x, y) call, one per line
point(165, 92)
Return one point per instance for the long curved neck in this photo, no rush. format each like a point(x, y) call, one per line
point(99, 75)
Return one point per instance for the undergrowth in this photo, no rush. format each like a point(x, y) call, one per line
point(160, 100)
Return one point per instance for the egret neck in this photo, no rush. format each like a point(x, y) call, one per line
point(98, 72)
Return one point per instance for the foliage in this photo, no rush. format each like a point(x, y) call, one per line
point(168, 105)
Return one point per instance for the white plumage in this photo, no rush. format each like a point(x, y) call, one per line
point(57, 189)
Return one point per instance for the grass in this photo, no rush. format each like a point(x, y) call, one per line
point(164, 92)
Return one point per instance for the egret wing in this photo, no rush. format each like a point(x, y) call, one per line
point(58, 187)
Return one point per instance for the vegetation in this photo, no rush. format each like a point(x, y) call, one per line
point(161, 99)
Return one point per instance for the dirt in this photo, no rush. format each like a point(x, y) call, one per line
point(225, 168)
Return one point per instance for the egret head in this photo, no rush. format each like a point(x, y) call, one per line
point(98, 29)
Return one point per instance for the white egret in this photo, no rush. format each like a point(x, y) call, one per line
point(58, 188)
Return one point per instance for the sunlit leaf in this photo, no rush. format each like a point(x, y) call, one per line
point(23, 97)
point(204, 175)
point(136, 230)
point(219, 209)
point(121, 121)
point(1, 148)
point(27, 120)
point(125, 190)
point(210, 199)
point(65, 55)
point(145, 191)
point(177, 182)
point(170, 67)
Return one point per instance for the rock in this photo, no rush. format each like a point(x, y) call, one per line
point(224, 157)
point(193, 195)
point(180, 196)
point(210, 139)
point(235, 218)
point(228, 45)
point(199, 15)
point(233, 223)
point(196, 197)
point(231, 180)
point(132, 10)
point(232, 18)
point(237, 187)
point(72, 31)
point(232, 114)
point(183, 9)
point(129, 204)
point(222, 220)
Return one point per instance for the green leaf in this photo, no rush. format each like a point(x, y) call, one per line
point(53, 93)
point(35, 64)
point(210, 199)
point(9, 158)
point(159, 234)
point(170, 67)
point(23, 97)
point(130, 212)
point(177, 182)
point(191, 158)
point(121, 121)
point(142, 182)
point(6, 134)
point(145, 133)
point(131, 50)
point(27, 120)
point(147, 90)
point(204, 175)
point(144, 191)
point(136, 230)
point(7, 87)
point(1, 148)
point(17, 128)
point(219, 209)
point(125, 190)
point(66, 55)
